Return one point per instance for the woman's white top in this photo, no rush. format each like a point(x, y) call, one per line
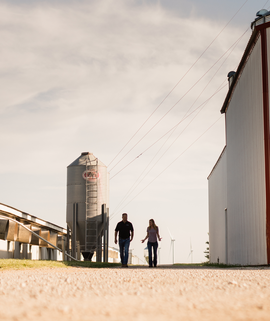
point(152, 234)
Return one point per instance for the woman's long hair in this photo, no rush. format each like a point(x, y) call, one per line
point(154, 225)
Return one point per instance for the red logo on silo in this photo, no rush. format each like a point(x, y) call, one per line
point(90, 175)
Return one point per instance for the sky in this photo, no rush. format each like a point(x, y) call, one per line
point(140, 84)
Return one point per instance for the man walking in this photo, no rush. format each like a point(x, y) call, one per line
point(125, 237)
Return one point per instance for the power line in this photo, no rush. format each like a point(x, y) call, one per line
point(170, 93)
point(173, 161)
point(176, 103)
point(166, 133)
point(132, 187)
point(231, 48)
point(175, 127)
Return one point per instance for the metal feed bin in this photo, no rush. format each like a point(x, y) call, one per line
point(87, 206)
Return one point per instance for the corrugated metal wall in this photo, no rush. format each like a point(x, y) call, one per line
point(217, 189)
point(246, 203)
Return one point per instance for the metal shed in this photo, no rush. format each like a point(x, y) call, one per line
point(239, 184)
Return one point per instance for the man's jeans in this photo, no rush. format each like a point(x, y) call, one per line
point(155, 246)
point(124, 246)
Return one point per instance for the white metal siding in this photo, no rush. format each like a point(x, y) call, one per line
point(245, 163)
point(217, 189)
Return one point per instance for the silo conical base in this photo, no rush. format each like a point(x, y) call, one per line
point(87, 256)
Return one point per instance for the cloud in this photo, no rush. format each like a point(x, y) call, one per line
point(72, 61)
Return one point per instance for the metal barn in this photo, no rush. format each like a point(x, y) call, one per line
point(239, 184)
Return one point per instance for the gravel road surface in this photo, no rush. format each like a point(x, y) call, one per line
point(135, 293)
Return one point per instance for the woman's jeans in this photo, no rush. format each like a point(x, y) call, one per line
point(124, 246)
point(151, 245)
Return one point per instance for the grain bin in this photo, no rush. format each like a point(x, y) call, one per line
point(87, 203)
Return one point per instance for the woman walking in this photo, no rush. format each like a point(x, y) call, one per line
point(152, 236)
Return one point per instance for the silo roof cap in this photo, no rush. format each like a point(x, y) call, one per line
point(86, 153)
point(262, 12)
point(86, 158)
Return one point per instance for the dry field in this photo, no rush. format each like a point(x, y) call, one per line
point(164, 293)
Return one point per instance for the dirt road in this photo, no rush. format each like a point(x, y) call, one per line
point(135, 294)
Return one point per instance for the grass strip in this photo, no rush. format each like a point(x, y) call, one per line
point(207, 264)
point(16, 264)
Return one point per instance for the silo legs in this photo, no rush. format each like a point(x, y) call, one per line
point(74, 229)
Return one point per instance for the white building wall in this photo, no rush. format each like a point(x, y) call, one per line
point(27, 251)
point(58, 256)
point(217, 193)
point(246, 203)
point(4, 253)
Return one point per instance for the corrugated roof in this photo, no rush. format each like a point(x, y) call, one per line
point(25, 217)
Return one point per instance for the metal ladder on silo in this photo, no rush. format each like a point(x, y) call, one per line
point(91, 235)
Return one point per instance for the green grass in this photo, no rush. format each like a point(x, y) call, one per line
point(207, 264)
point(189, 264)
point(13, 264)
point(220, 265)
point(88, 264)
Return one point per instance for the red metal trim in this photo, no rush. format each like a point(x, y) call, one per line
point(263, 26)
point(252, 41)
point(266, 135)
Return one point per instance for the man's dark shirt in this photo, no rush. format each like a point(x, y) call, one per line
point(124, 229)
